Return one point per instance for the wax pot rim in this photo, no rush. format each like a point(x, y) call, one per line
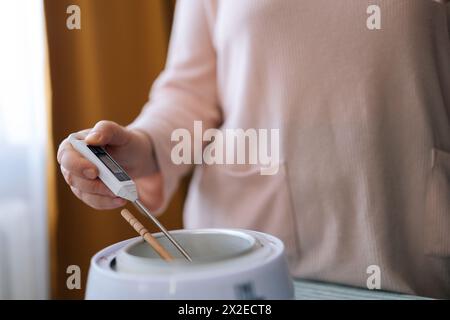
point(103, 263)
point(250, 245)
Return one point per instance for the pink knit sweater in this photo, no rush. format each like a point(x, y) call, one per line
point(364, 120)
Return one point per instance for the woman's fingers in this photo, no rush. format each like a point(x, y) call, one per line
point(97, 201)
point(108, 133)
point(77, 165)
point(82, 175)
point(65, 144)
point(85, 185)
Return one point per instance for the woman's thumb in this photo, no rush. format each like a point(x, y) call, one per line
point(107, 133)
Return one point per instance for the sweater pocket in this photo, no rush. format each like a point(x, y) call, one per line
point(437, 215)
point(240, 197)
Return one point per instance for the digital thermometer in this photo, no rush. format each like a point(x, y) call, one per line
point(118, 181)
point(110, 172)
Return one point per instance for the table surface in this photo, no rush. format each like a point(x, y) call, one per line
point(311, 290)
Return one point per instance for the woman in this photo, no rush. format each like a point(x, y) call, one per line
point(364, 120)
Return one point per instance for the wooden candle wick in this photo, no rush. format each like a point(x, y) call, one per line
point(146, 235)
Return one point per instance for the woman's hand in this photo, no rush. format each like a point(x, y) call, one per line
point(132, 149)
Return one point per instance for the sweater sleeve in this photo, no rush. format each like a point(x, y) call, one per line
point(185, 91)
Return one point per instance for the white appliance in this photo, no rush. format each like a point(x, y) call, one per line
point(227, 264)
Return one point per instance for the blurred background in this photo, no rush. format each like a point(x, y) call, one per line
point(54, 81)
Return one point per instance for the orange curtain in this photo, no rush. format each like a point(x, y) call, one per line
point(103, 71)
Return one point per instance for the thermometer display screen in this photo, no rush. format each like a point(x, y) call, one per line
point(109, 163)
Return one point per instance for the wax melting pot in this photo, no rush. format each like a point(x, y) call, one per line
point(226, 264)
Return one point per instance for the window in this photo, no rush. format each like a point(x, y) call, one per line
point(23, 138)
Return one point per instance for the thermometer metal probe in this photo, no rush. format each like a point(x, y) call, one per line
point(138, 204)
point(118, 181)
